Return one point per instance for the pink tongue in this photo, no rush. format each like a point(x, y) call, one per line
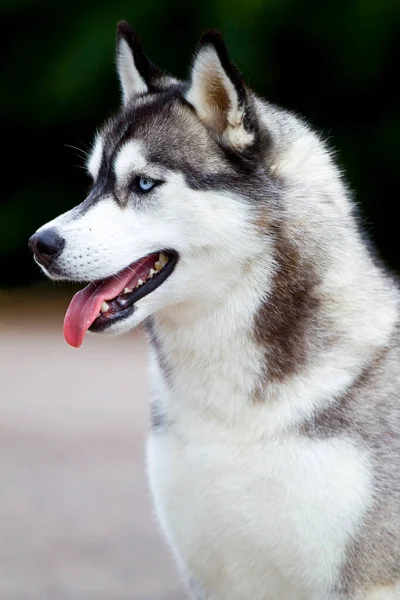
point(85, 306)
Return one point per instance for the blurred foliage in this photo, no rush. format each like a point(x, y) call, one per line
point(336, 61)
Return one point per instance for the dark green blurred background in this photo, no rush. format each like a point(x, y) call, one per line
point(333, 61)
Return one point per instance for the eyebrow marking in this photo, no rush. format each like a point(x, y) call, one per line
point(130, 157)
point(94, 162)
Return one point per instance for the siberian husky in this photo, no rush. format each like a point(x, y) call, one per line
point(222, 224)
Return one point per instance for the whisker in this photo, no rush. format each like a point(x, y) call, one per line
point(85, 153)
point(87, 148)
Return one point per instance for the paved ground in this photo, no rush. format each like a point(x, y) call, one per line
point(75, 516)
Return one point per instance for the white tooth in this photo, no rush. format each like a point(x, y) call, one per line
point(104, 307)
point(158, 266)
point(163, 259)
point(140, 282)
point(127, 290)
point(151, 273)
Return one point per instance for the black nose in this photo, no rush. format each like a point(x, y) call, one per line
point(45, 245)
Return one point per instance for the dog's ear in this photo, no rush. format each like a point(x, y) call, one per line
point(218, 93)
point(136, 72)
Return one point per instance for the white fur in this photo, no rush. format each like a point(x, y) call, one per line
point(94, 161)
point(265, 543)
point(131, 81)
point(130, 159)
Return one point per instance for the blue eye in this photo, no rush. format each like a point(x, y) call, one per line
point(145, 184)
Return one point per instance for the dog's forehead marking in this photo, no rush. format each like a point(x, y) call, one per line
point(130, 157)
point(94, 161)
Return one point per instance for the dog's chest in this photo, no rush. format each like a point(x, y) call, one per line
point(267, 520)
point(249, 510)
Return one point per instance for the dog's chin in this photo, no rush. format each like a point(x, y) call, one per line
point(51, 273)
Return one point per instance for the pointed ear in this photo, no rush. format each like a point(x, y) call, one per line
point(218, 94)
point(136, 72)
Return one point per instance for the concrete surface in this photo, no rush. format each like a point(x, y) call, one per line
point(75, 514)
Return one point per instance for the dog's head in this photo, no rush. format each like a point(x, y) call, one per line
point(170, 218)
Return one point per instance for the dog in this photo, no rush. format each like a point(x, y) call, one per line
point(222, 224)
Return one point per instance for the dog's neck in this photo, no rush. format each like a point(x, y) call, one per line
point(209, 363)
point(213, 364)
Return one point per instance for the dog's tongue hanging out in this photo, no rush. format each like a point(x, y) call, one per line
point(85, 306)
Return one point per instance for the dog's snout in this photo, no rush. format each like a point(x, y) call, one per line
point(45, 245)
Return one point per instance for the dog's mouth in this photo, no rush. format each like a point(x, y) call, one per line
point(102, 303)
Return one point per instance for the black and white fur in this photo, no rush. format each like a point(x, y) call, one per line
point(274, 455)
